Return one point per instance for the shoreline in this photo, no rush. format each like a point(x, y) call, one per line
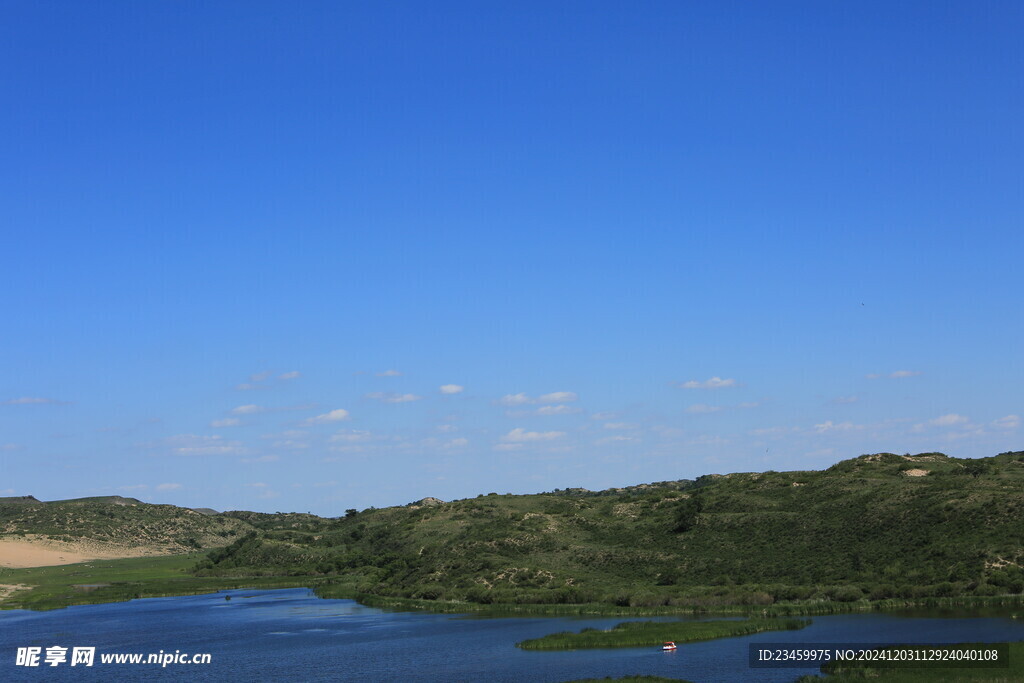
point(105, 581)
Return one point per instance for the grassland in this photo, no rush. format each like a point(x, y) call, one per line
point(118, 580)
point(652, 633)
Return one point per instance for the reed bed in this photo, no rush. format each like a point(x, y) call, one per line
point(653, 633)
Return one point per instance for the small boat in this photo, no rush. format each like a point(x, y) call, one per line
point(668, 645)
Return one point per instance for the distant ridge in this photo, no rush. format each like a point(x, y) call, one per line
point(116, 525)
point(878, 526)
point(19, 499)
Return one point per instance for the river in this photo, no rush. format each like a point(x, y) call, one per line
point(291, 635)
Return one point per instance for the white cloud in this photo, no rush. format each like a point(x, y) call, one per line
point(948, 420)
point(389, 373)
point(897, 374)
point(168, 487)
point(288, 434)
point(388, 397)
point(193, 444)
point(133, 487)
point(33, 400)
point(457, 443)
point(553, 397)
point(617, 438)
point(209, 450)
point(264, 490)
point(829, 426)
point(247, 410)
point(337, 415)
point(352, 436)
point(557, 410)
point(845, 399)
point(508, 446)
point(772, 431)
point(446, 428)
point(451, 389)
point(708, 440)
point(701, 408)
point(262, 458)
point(290, 444)
point(604, 416)
point(711, 383)
point(521, 435)
point(620, 425)
point(1008, 422)
point(226, 422)
point(290, 375)
point(344, 449)
point(9, 447)
point(259, 376)
point(559, 397)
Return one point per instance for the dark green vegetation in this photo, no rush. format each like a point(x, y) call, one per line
point(947, 674)
point(878, 531)
point(654, 633)
point(113, 521)
point(778, 542)
point(117, 580)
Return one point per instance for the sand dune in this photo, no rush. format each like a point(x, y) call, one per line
point(19, 554)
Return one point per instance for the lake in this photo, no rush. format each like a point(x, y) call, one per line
point(291, 634)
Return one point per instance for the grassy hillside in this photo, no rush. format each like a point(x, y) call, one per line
point(113, 521)
point(874, 527)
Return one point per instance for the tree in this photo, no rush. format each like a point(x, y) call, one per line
point(976, 468)
point(687, 513)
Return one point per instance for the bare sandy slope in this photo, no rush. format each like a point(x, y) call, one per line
point(38, 553)
point(8, 588)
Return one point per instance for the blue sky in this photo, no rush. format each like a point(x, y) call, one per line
point(310, 257)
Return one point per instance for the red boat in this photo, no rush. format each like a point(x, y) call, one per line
point(668, 645)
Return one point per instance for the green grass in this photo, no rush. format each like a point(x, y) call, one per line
point(330, 588)
point(652, 633)
point(852, 672)
point(100, 581)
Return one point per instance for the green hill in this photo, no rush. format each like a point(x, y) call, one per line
point(874, 527)
point(115, 522)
